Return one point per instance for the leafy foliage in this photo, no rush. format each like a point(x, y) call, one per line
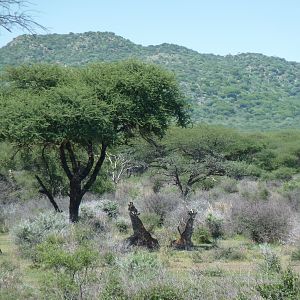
point(249, 90)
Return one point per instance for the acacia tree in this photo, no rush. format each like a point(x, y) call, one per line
point(82, 112)
point(14, 13)
point(187, 157)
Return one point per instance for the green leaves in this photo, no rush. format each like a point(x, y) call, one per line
point(49, 104)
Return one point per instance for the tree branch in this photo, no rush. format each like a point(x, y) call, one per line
point(64, 160)
point(85, 171)
point(45, 191)
point(97, 168)
point(72, 157)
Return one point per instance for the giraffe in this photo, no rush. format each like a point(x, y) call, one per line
point(140, 237)
point(186, 231)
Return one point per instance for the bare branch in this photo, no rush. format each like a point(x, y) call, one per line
point(14, 14)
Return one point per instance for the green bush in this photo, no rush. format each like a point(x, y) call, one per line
point(11, 283)
point(113, 289)
point(229, 185)
point(109, 258)
point(230, 254)
point(202, 235)
point(122, 226)
point(282, 173)
point(32, 232)
point(215, 226)
point(151, 221)
point(70, 271)
point(140, 264)
point(287, 288)
point(160, 292)
point(3, 226)
point(296, 255)
point(111, 209)
point(271, 262)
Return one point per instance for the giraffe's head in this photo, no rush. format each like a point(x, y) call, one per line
point(132, 209)
point(192, 213)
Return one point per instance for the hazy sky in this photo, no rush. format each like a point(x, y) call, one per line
point(271, 27)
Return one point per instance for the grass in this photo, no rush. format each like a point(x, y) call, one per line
point(10, 253)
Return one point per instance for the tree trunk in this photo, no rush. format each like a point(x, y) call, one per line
point(77, 173)
point(75, 199)
point(74, 211)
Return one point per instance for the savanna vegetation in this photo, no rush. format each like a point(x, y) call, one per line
point(162, 211)
point(245, 91)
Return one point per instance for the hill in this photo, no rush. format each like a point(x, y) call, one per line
point(247, 91)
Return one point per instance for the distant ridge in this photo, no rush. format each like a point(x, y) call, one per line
point(248, 91)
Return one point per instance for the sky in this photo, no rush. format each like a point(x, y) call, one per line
point(271, 27)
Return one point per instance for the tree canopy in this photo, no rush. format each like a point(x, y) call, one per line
point(80, 112)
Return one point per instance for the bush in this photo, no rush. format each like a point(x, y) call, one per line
point(111, 209)
point(230, 254)
point(160, 292)
point(271, 262)
point(9, 275)
point(296, 255)
point(215, 226)
point(3, 226)
point(151, 221)
point(140, 264)
point(71, 271)
point(229, 185)
point(11, 283)
point(113, 289)
point(288, 287)
point(282, 173)
point(202, 235)
point(160, 205)
point(262, 221)
point(32, 232)
point(122, 226)
point(91, 214)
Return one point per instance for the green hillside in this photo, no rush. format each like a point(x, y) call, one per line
point(247, 91)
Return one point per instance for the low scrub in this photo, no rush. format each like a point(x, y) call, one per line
point(30, 233)
point(263, 221)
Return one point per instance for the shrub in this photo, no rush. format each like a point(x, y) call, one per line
point(262, 221)
point(11, 283)
point(229, 185)
point(122, 225)
point(160, 292)
point(213, 272)
point(32, 232)
point(296, 255)
point(109, 258)
point(140, 264)
point(160, 205)
point(202, 235)
point(282, 173)
point(3, 226)
point(230, 254)
point(287, 288)
point(113, 289)
point(91, 214)
point(151, 221)
point(271, 262)
point(215, 226)
point(111, 209)
point(71, 271)
point(9, 275)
